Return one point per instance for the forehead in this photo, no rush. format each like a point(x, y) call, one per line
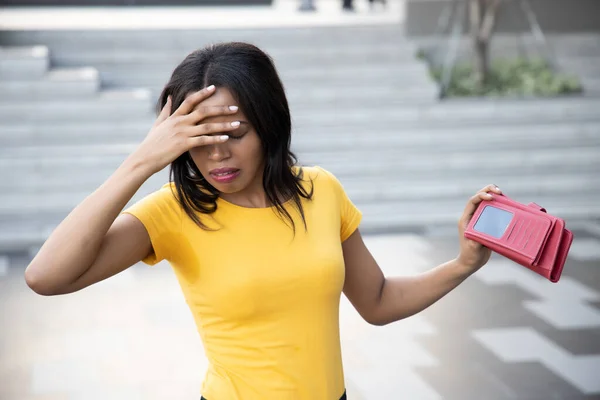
point(221, 97)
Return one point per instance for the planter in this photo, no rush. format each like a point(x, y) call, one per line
point(511, 76)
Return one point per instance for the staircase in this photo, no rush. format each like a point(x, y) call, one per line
point(362, 106)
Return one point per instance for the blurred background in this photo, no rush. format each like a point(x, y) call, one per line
point(413, 104)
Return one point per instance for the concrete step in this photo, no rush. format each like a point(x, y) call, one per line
point(563, 46)
point(558, 184)
point(272, 39)
point(382, 217)
point(316, 95)
point(404, 165)
point(591, 86)
point(363, 77)
point(345, 97)
point(401, 186)
point(127, 104)
point(58, 156)
point(587, 67)
point(391, 165)
point(23, 62)
point(107, 105)
point(67, 133)
point(455, 113)
point(351, 74)
point(19, 233)
point(290, 57)
point(131, 104)
point(54, 203)
point(78, 182)
point(575, 44)
point(56, 84)
point(510, 162)
point(435, 140)
point(378, 217)
point(73, 134)
point(67, 140)
point(16, 207)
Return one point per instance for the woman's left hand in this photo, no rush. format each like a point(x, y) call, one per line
point(472, 254)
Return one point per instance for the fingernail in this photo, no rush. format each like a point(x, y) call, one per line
point(211, 88)
point(233, 108)
point(223, 138)
point(235, 123)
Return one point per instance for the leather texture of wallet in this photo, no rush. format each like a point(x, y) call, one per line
point(525, 234)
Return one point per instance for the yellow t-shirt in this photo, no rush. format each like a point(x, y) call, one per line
point(265, 302)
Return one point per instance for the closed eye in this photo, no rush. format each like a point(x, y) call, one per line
point(236, 136)
point(238, 133)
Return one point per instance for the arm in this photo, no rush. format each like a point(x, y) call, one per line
point(93, 242)
point(381, 300)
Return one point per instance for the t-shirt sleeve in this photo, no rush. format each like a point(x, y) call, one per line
point(350, 215)
point(160, 213)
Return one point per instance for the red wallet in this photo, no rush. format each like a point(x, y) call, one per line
point(525, 234)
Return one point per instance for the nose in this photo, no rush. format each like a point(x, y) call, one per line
point(218, 151)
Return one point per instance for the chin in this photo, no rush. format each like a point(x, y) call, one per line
point(227, 188)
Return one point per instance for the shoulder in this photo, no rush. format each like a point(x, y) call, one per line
point(168, 191)
point(316, 174)
point(165, 195)
point(160, 213)
point(330, 192)
point(320, 177)
point(162, 202)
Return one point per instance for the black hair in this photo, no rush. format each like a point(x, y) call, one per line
point(250, 75)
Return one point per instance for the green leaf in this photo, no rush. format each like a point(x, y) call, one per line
point(510, 77)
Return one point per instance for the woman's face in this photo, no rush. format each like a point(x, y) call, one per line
point(237, 164)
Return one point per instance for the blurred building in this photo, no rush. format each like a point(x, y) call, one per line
point(555, 16)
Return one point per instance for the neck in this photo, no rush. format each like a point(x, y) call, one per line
point(247, 198)
point(253, 196)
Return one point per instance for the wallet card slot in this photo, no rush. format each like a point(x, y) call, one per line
point(531, 235)
point(525, 235)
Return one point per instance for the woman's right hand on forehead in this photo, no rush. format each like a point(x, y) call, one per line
point(175, 133)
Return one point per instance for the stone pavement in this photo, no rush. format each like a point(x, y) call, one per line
point(503, 334)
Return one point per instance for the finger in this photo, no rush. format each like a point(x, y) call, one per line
point(491, 188)
point(202, 113)
point(473, 203)
point(204, 140)
point(212, 128)
point(193, 100)
point(165, 112)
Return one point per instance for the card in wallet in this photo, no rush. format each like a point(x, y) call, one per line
point(525, 234)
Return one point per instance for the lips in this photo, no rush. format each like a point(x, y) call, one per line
point(224, 175)
point(223, 171)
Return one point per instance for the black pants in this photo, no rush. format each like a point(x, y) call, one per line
point(341, 398)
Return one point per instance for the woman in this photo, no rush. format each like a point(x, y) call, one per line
point(262, 248)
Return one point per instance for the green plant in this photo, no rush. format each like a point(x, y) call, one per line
point(421, 55)
point(509, 77)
